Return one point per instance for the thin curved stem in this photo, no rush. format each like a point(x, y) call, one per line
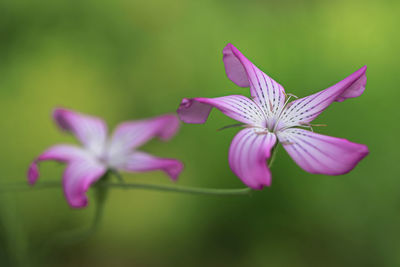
point(80, 234)
point(128, 186)
point(180, 189)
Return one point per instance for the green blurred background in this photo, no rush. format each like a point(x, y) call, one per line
point(124, 60)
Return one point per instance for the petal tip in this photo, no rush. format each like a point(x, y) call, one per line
point(260, 186)
point(33, 173)
point(78, 204)
point(185, 104)
point(76, 199)
point(192, 111)
point(169, 126)
point(175, 169)
point(364, 151)
point(228, 47)
point(59, 116)
point(234, 69)
point(356, 85)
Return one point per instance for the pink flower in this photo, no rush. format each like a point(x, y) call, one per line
point(268, 118)
point(87, 164)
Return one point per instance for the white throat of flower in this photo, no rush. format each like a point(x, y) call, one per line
point(272, 121)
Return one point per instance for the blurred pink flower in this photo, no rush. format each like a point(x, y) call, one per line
point(87, 164)
point(268, 116)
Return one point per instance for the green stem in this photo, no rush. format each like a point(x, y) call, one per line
point(16, 245)
point(181, 189)
point(127, 186)
point(78, 235)
point(101, 194)
point(273, 156)
point(117, 175)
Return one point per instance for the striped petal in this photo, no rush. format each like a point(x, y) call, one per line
point(61, 153)
point(78, 177)
point(269, 94)
point(90, 131)
point(143, 162)
point(304, 110)
point(129, 135)
point(237, 107)
point(248, 154)
point(321, 154)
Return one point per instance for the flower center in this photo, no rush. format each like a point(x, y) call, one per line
point(103, 159)
point(270, 124)
point(275, 122)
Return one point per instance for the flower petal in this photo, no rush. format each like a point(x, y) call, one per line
point(78, 177)
point(304, 110)
point(62, 153)
point(90, 131)
point(237, 107)
point(269, 94)
point(248, 154)
point(129, 135)
point(321, 154)
point(142, 162)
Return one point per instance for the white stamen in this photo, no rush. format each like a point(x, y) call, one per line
point(281, 110)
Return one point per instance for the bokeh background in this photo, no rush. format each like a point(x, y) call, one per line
point(125, 60)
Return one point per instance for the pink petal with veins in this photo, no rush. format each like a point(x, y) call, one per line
point(269, 94)
point(305, 110)
point(248, 155)
point(237, 107)
point(321, 154)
